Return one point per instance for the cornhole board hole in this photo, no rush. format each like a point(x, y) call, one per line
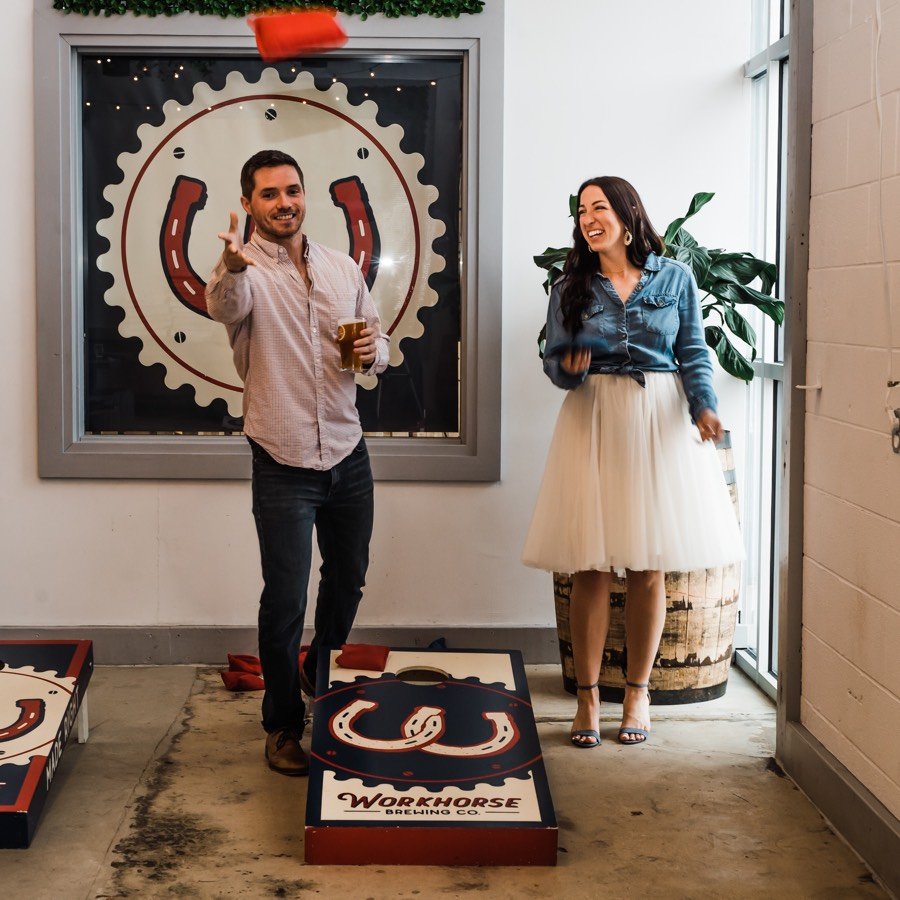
point(434, 761)
point(42, 691)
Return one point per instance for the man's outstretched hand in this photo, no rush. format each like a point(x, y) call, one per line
point(234, 257)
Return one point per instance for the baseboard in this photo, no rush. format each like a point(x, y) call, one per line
point(170, 646)
point(850, 807)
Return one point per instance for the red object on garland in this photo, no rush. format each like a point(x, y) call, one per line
point(287, 35)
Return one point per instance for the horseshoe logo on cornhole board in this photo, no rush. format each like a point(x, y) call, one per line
point(31, 706)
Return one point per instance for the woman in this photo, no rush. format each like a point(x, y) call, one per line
point(630, 483)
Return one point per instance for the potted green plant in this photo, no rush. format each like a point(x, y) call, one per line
point(723, 278)
point(701, 607)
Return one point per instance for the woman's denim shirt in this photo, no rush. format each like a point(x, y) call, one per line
point(659, 329)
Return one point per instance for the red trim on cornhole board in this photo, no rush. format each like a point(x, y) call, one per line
point(26, 794)
point(395, 846)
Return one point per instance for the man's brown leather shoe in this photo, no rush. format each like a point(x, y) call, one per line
point(284, 753)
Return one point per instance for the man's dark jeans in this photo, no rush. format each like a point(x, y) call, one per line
point(287, 503)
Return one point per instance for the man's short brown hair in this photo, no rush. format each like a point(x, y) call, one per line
point(265, 159)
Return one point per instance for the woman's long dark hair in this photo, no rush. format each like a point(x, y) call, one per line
point(582, 263)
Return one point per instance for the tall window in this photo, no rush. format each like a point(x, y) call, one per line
point(768, 72)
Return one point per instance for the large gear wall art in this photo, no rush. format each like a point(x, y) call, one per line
point(363, 196)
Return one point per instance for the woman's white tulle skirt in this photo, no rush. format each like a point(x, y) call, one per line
point(630, 485)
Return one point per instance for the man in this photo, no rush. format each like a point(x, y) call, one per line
point(280, 296)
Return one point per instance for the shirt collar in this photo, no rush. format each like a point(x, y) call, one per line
point(270, 248)
point(652, 264)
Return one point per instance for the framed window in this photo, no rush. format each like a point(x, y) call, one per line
point(767, 72)
point(398, 135)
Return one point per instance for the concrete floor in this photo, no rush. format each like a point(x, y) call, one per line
point(171, 798)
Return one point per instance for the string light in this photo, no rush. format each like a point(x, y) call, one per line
point(433, 83)
point(399, 89)
point(176, 74)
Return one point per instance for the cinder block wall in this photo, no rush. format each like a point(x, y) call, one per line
point(851, 598)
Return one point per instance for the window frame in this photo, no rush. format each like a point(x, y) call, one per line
point(758, 657)
point(64, 451)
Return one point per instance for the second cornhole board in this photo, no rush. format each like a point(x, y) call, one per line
point(435, 761)
point(42, 689)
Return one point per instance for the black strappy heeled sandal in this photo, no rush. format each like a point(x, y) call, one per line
point(591, 733)
point(642, 733)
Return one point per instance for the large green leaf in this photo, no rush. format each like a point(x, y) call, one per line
point(729, 358)
point(681, 238)
point(693, 255)
point(573, 206)
point(741, 327)
point(743, 268)
point(697, 203)
point(552, 258)
point(740, 293)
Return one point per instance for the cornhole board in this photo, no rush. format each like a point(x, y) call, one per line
point(42, 689)
point(435, 761)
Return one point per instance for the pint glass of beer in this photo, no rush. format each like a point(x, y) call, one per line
point(348, 331)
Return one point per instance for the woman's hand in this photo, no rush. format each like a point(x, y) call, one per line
point(709, 426)
point(575, 361)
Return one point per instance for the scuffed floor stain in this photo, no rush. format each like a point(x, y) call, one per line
point(278, 888)
point(160, 841)
point(160, 844)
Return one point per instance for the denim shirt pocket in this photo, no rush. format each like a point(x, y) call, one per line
point(594, 308)
point(660, 312)
point(595, 332)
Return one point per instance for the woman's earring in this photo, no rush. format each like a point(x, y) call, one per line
point(629, 237)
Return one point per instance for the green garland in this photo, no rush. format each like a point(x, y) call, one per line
point(394, 9)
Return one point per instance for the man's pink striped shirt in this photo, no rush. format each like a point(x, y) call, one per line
point(298, 405)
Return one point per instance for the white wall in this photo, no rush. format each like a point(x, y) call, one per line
point(851, 599)
point(650, 90)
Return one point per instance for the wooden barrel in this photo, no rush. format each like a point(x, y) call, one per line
point(698, 636)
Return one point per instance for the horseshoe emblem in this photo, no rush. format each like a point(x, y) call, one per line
point(422, 731)
point(188, 196)
point(505, 735)
point(365, 243)
point(426, 724)
point(30, 717)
